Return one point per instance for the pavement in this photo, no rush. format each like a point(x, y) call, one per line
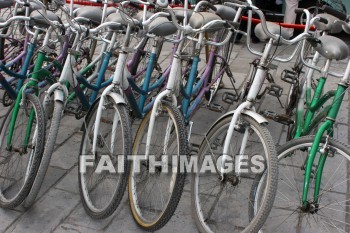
point(58, 207)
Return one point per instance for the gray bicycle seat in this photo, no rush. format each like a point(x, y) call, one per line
point(38, 19)
point(115, 17)
point(6, 3)
point(139, 15)
point(331, 26)
point(273, 28)
point(94, 14)
point(332, 48)
point(225, 12)
point(179, 13)
point(161, 26)
point(200, 19)
point(33, 7)
point(111, 10)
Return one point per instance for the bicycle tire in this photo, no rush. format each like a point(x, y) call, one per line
point(235, 198)
point(48, 151)
point(93, 209)
point(177, 179)
point(36, 154)
point(287, 212)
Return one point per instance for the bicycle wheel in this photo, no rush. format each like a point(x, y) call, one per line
point(19, 164)
point(332, 213)
point(103, 184)
point(221, 205)
point(48, 151)
point(154, 195)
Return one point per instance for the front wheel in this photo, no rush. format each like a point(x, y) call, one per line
point(331, 212)
point(48, 151)
point(155, 191)
point(20, 160)
point(103, 173)
point(221, 204)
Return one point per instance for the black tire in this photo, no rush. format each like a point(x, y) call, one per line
point(48, 151)
point(221, 205)
point(34, 152)
point(95, 204)
point(287, 213)
point(160, 208)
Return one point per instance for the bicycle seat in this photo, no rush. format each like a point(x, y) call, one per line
point(115, 17)
point(94, 14)
point(273, 28)
point(200, 19)
point(179, 13)
point(331, 26)
point(6, 3)
point(111, 10)
point(33, 7)
point(225, 12)
point(161, 26)
point(332, 47)
point(38, 19)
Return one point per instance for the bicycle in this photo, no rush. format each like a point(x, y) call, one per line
point(162, 131)
point(107, 126)
point(27, 113)
point(242, 148)
point(315, 189)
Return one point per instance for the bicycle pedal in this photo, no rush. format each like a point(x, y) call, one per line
point(289, 76)
point(275, 90)
point(280, 118)
point(215, 107)
point(229, 98)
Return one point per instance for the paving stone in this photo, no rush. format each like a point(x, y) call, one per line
point(47, 214)
point(71, 228)
point(7, 218)
point(70, 181)
point(66, 156)
point(69, 126)
point(53, 174)
point(79, 218)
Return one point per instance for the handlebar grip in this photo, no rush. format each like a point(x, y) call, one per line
point(331, 11)
point(299, 10)
point(211, 6)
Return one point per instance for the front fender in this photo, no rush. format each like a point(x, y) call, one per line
point(260, 119)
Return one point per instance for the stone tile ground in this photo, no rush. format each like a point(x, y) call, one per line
point(58, 207)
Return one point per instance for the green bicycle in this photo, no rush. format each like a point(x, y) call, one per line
point(313, 195)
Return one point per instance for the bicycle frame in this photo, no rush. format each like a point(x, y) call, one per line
point(330, 112)
point(82, 82)
point(32, 85)
point(202, 85)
